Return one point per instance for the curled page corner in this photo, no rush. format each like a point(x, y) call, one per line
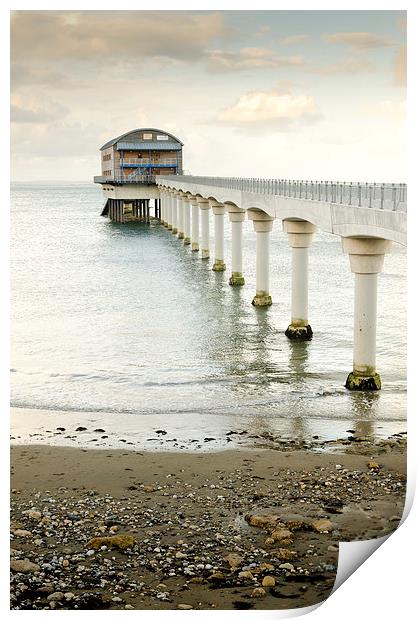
point(352, 555)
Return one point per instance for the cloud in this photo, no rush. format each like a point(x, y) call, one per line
point(249, 58)
point(400, 67)
point(104, 35)
point(358, 40)
point(36, 113)
point(293, 39)
point(26, 75)
point(270, 110)
point(58, 139)
point(348, 66)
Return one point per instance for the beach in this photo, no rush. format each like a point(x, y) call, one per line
point(229, 529)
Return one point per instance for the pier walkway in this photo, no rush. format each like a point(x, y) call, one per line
point(368, 217)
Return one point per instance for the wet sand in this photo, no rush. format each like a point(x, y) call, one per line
point(196, 522)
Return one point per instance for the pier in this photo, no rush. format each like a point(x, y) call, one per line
point(368, 218)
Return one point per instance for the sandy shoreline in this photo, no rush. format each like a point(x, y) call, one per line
point(200, 537)
point(186, 432)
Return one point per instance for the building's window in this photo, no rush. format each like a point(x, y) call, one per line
point(161, 137)
point(147, 136)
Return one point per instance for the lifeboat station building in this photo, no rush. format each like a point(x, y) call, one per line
point(129, 165)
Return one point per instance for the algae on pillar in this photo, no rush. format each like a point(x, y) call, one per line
point(262, 223)
point(300, 234)
point(236, 218)
point(218, 211)
point(366, 255)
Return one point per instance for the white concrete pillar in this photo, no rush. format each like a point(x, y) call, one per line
point(174, 208)
point(262, 224)
point(168, 209)
point(162, 203)
point(366, 255)
point(300, 235)
point(236, 218)
point(218, 211)
point(204, 207)
point(195, 223)
point(187, 219)
point(180, 216)
point(165, 202)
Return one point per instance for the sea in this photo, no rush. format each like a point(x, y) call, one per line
point(122, 331)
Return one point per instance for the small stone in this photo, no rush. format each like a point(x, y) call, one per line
point(90, 552)
point(69, 596)
point(216, 576)
point(373, 465)
point(323, 526)
point(148, 488)
point(180, 555)
point(129, 606)
point(265, 566)
point(282, 535)
point(22, 533)
point(120, 541)
point(55, 596)
point(35, 515)
point(258, 593)
point(117, 599)
point(284, 554)
point(81, 428)
point(24, 566)
point(183, 606)
point(268, 581)
point(246, 574)
point(286, 566)
point(234, 560)
point(65, 563)
point(263, 521)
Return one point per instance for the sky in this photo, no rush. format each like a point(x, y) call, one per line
point(278, 94)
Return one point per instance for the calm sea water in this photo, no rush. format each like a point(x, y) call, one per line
point(123, 319)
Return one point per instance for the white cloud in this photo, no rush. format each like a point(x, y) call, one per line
point(349, 66)
point(358, 40)
point(101, 35)
point(35, 113)
point(271, 109)
point(249, 58)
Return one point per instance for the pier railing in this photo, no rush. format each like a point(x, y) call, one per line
point(389, 196)
point(148, 161)
point(120, 179)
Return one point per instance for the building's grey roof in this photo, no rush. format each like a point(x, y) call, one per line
point(143, 129)
point(149, 146)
